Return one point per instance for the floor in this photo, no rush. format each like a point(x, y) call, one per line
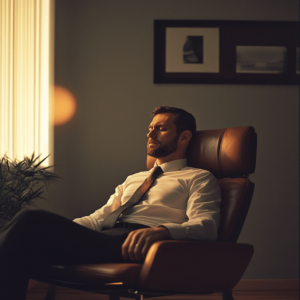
point(38, 292)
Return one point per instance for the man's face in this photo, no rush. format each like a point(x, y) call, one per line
point(162, 136)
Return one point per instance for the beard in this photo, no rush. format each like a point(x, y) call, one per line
point(164, 150)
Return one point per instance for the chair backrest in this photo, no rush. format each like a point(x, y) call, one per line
point(230, 154)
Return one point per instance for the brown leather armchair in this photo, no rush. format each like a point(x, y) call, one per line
point(181, 266)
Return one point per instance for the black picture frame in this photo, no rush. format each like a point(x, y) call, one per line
point(250, 52)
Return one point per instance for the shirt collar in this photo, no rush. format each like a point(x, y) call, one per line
point(173, 165)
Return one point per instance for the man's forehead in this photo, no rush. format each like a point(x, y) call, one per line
point(164, 118)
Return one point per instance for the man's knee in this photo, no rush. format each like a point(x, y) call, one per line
point(28, 217)
point(23, 227)
point(25, 214)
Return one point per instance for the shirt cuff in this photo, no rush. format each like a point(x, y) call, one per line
point(176, 230)
point(86, 222)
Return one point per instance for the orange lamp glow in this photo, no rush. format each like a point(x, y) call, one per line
point(64, 105)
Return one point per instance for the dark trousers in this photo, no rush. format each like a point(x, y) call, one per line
point(34, 238)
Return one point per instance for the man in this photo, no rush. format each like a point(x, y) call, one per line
point(189, 215)
point(182, 203)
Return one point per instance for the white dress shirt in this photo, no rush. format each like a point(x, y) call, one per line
point(185, 200)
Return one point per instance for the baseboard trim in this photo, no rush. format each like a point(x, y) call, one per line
point(267, 285)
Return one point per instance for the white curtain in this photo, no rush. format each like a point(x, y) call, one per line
point(26, 78)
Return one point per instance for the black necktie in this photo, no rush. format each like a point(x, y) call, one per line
point(110, 220)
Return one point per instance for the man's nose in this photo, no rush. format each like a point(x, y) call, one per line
point(151, 134)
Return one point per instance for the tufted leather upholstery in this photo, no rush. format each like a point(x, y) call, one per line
point(186, 266)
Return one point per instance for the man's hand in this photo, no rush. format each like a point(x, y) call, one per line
point(139, 241)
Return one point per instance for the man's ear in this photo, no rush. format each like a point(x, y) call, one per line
point(185, 137)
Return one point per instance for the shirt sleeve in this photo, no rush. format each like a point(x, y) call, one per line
point(94, 221)
point(203, 210)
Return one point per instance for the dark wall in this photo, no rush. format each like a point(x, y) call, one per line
point(104, 56)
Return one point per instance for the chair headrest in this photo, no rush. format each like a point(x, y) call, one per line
point(227, 152)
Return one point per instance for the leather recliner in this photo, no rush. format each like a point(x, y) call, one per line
point(183, 266)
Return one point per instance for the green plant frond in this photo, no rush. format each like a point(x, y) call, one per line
point(17, 164)
point(34, 194)
point(7, 165)
point(25, 193)
point(21, 183)
point(37, 165)
point(32, 160)
point(45, 168)
point(29, 173)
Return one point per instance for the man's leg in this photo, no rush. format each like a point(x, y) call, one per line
point(36, 237)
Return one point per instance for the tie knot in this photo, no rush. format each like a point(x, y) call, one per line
point(157, 171)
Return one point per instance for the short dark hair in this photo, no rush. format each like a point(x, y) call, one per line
point(184, 120)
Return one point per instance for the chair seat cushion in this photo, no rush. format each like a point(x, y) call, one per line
point(127, 273)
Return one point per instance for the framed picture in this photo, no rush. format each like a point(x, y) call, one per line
point(237, 52)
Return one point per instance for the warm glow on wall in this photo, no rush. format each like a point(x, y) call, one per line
point(64, 105)
point(26, 78)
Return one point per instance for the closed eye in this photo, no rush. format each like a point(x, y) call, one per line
point(158, 127)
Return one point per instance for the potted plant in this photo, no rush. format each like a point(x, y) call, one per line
point(21, 183)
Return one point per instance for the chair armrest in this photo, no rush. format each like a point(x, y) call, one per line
point(194, 266)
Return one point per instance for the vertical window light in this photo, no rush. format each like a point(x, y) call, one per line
point(26, 78)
